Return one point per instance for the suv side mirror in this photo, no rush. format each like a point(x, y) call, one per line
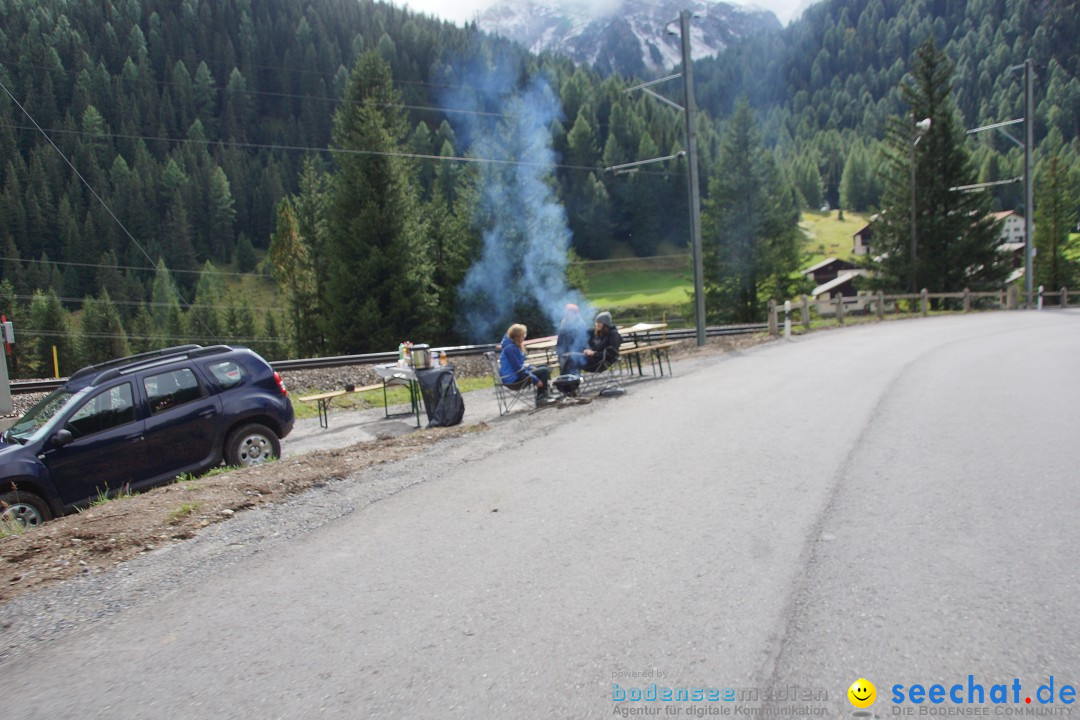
point(61, 438)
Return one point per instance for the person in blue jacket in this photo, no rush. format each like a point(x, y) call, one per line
point(514, 371)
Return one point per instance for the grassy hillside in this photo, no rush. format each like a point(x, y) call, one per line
point(667, 281)
point(828, 236)
point(621, 288)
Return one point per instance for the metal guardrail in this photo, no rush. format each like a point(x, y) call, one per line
point(36, 386)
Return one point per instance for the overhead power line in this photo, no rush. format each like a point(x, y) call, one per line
point(193, 306)
point(117, 336)
point(126, 267)
point(329, 150)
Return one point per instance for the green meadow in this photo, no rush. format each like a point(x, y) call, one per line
point(656, 285)
point(623, 288)
point(828, 236)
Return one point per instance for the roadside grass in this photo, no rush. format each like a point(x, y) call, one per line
point(183, 511)
point(10, 526)
point(104, 496)
point(369, 399)
point(188, 479)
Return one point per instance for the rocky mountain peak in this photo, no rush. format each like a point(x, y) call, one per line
point(623, 36)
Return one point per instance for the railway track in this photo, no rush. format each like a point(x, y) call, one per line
point(36, 386)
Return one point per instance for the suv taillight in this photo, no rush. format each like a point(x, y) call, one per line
point(281, 384)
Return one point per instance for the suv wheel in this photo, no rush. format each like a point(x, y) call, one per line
point(252, 445)
point(25, 508)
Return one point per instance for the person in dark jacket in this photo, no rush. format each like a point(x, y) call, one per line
point(602, 348)
point(603, 345)
point(514, 371)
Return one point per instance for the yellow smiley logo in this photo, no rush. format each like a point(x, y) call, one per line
point(862, 693)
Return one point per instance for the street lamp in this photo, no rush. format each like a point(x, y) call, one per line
point(921, 128)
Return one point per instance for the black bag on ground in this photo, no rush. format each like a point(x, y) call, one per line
point(442, 398)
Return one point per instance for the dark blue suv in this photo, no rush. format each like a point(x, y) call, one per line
point(140, 421)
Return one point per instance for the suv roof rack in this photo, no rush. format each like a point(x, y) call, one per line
point(210, 350)
point(165, 359)
point(120, 362)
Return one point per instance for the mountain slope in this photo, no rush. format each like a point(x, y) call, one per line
point(626, 37)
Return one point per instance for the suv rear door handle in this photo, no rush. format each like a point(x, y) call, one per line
point(208, 412)
point(135, 437)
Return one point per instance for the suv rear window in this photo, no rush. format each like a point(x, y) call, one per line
point(170, 389)
point(226, 372)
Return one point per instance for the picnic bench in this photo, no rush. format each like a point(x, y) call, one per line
point(541, 351)
point(323, 400)
point(657, 352)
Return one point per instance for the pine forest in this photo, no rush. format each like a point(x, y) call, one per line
point(314, 178)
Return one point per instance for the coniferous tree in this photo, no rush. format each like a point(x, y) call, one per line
point(177, 240)
point(49, 326)
point(167, 322)
point(379, 280)
point(244, 257)
point(242, 322)
point(221, 214)
point(102, 336)
point(273, 344)
point(109, 278)
point(13, 268)
point(204, 319)
point(807, 180)
point(1054, 268)
point(449, 255)
point(310, 205)
point(142, 337)
point(750, 230)
point(956, 236)
point(291, 266)
point(859, 189)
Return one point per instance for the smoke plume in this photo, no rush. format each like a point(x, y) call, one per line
point(521, 273)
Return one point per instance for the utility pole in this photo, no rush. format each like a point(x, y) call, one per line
point(921, 127)
point(692, 177)
point(1028, 145)
point(693, 184)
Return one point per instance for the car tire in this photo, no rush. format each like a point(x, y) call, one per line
point(26, 508)
point(250, 445)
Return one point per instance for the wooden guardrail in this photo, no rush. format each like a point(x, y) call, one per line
point(879, 304)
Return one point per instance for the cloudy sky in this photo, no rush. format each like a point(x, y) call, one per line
point(462, 10)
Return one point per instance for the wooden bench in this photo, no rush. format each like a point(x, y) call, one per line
point(323, 400)
point(657, 353)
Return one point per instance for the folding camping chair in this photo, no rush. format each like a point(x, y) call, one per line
point(603, 380)
point(507, 396)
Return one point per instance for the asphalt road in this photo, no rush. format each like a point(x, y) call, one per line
point(896, 502)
